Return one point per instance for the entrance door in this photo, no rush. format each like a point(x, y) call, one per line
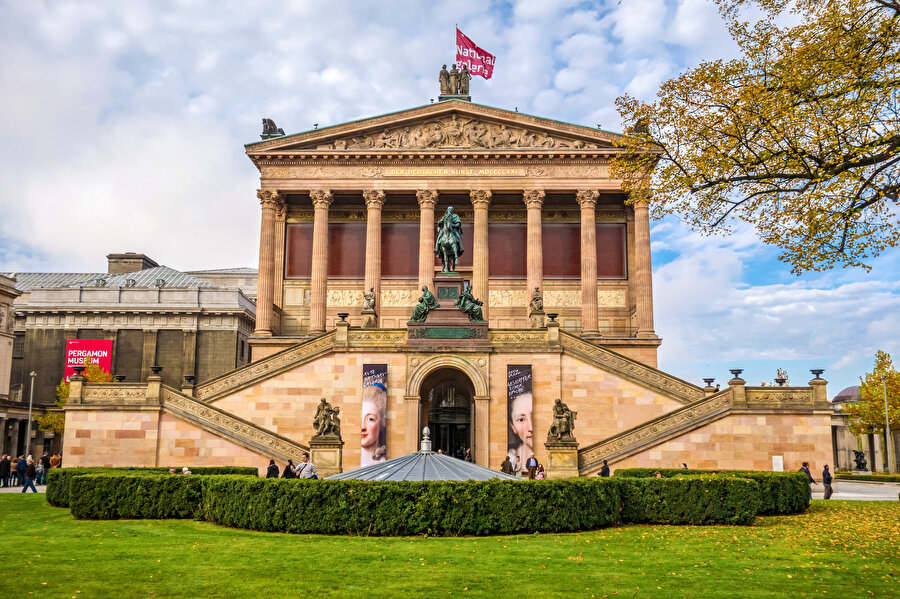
point(447, 411)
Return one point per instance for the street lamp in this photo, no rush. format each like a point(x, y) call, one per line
point(32, 374)
point(887, 426)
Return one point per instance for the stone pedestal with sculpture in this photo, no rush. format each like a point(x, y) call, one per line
point(562, 447)
point(326, 446)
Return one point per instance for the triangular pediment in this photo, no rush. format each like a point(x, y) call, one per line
point(451, 125)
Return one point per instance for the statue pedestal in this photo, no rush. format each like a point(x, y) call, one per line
point(463, 97)
point(562, 459)
point(326, 453)
point(537, 320)
point(369, 319)
point(447, 326)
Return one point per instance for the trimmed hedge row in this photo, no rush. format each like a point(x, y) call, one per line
point(690, 500)
point(59, 479)
point(878, 478)
point(780, 492)
point(156, 496)
point(396, 508)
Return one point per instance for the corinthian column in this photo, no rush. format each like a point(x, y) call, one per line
point(427, 201)
point(481, 199)
point(587, 199)
point(643, 285)
point(534, 199)
point(270, 202)
point(321, 199)
point(374, 201)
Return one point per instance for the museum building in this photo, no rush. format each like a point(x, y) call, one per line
point(557, 262)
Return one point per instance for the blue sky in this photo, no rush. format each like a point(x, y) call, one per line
point(125, 124)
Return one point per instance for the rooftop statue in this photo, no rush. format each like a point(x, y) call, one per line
point(448, 243)
point(469, 305)
point(426, 304)
point(464, 78)
point(454, 80)
point(563, 425)
point(444, 78)
point(270, 130)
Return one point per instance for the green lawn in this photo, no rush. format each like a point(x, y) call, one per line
point(837, 549)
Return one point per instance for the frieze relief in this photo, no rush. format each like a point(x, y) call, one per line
point(391, 298)
point(517, 337)
point(562, 298)
point(773, 397)
point(611, 298)
point(113, 393)
point(692, 414)
point(377, 338)
point(442, 168)
point(507, 298)
point(344, 298)
point(456, 131)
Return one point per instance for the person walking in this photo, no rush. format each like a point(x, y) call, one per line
point(517, 468)
point(531, 465)
point(306, 469)
point(826, 480)
point(55, 460)
point(272, 470)
point(805, 468)
point(5, 468)
point(30, 474)
point(506, 466)
point(21, 468)
point(45, 462)
point(289, 470)
point(604, 471)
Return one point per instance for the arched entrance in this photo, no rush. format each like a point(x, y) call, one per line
point(447, 407)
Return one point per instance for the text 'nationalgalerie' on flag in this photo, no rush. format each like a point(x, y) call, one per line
point(476, 59)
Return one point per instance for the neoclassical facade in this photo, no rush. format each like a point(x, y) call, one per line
point(352, 208)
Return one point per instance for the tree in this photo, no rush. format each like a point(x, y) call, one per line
point(55, 420)
point(799, 137)
point(867, 414)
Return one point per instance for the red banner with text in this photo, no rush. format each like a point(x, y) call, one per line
point(478, 61)
point(84, 352)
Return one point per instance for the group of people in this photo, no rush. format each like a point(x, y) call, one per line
point(531, 468)
point(826, 479)
point(305, 469)
point(26, 471)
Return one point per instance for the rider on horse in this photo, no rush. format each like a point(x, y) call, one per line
point(448, 243)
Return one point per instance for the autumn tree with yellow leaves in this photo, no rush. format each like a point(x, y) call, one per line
point(799, 137)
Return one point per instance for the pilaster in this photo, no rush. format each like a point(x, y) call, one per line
point(148, 355)
point(481, 200)
point(587, 199)
point(427, 199)
point(321, 199)
point(411, 419)
point(482, 430)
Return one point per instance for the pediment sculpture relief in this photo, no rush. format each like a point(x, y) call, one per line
point(457, 132)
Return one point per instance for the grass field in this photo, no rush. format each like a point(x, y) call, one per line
point(837, 549)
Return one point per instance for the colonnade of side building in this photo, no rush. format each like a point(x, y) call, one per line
point(271, 253)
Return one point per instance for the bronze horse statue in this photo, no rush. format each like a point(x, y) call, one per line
point(447, 251)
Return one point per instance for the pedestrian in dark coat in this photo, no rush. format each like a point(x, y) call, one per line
point(805, 468)
point(605, 470)
point(272, 470)
point(21, 467)
point(5, 467)
point(506, 466)
point(826, 480)
point(289, 470)
point(30, 474)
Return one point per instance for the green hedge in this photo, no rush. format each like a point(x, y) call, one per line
point(690, 500)
point(411, 508)
point(113, 496)
point(780, 492)
point(59, 479)
point(879, 478)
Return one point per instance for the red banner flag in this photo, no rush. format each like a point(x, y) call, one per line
point(476, 60)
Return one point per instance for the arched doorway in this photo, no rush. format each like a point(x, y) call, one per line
point(447, 407)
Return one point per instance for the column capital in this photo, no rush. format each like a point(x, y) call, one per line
point(321, 198)
point(427, 197)
point(269, 198)
point(534, 198)
point(587, 198)
point(642, 206)
point(481, 198)
point(374, 198)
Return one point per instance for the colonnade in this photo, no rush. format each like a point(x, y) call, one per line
point(272, 202)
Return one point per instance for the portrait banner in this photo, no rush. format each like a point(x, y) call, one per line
point(520, 440)
point(373, 437)
point(84, 352)
point(478, 61)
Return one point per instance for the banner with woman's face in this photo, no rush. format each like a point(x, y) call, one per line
point(520, 440)
point(373, 437)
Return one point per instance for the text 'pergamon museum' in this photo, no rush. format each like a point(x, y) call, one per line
point(455, 266)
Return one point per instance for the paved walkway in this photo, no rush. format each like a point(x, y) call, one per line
point(859, 490)
point(40, 489)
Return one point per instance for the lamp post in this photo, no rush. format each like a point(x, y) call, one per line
point(32, 374)
point(887, 426)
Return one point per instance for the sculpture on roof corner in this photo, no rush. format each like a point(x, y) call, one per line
point(448, 242)
point(270, 130)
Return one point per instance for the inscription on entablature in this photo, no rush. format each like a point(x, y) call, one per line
point(464, 171)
